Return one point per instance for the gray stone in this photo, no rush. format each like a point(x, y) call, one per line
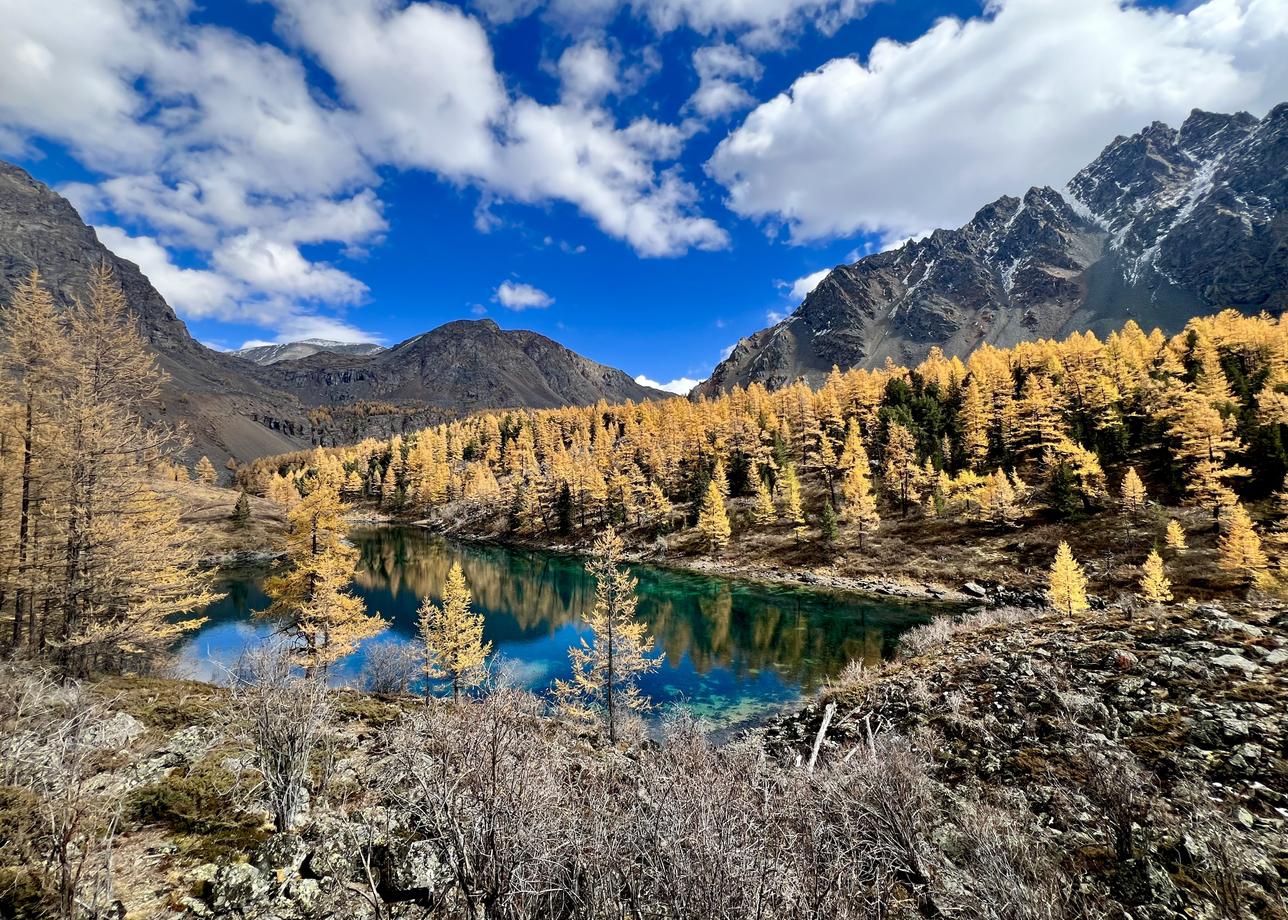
point(1233, 662)
point(1141, 881)
point(116, 732)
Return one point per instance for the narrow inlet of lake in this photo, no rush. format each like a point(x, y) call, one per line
point(733, 651)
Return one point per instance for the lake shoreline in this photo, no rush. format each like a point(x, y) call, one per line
point(759, 573)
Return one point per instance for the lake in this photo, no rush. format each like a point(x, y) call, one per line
point(735, 651)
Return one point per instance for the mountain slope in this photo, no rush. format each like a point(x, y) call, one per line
point(1162, 226)
point(293, 351)
point(460, 366)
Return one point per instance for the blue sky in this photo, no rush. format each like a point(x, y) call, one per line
point(644, 181)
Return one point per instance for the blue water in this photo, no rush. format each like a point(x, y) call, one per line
point(733, 651)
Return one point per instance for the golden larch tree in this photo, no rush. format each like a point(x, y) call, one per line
point(451, 635)
point(997, 499)
point(34, 356)
point(1067, 583)
point(1175, 537)
point(792, 508)
point(205, 472)
point(312, 598)
point(1241, 553)
point(1155, 587)
point(763, 513)
point(856, 490)
point(713, 518)
point(1133, 492)
point(901, 471)
point(607, 666)
point(282, 491)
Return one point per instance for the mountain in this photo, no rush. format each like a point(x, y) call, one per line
point(243, 408)
point(292, 351)
point(460, 366)
point(1161, 226)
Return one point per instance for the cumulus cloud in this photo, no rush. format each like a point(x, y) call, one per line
point(211, 142)
point(763, 23)
point(206, 294)
point(921, 134)
point(719, 69)
point(587, 73)
point(515, 295)
point(803, 285)
point(468, 128)
point(680, 385)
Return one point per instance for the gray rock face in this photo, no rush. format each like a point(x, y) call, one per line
point(1162, 226)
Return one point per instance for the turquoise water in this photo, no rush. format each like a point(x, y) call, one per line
point(734, 651)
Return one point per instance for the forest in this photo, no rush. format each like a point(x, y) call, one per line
point(1054, 432)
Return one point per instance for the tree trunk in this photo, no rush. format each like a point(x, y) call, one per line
point(24, 524)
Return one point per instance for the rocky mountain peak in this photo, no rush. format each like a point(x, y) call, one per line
point(1164, 224)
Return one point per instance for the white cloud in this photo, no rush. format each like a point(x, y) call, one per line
point(775, 316)
point(222, 145)
point(761, 22)
point(680, 386)
point(587, 73)
point(927, 132)
point(719, 68)
point(515, 295)
point(206, 294)
point(803, 285)
point(422, 79)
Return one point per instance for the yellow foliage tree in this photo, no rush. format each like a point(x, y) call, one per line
point(282, 491)
point(997, 499)
point(901, 471)
point(860, 501)
point(312, 598)
point(713, 517)
point(206, 472)
point(1133, 491)
point(607, 667)
point(1067, 583)
point(452, 636)
point(1155, 588)
point(762, 512)
point(1175, 538)
point(1241, 553)
point(792, 509)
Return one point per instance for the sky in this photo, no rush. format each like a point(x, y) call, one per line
point(645, 181)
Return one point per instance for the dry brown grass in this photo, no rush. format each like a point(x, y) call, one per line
point(208, 510)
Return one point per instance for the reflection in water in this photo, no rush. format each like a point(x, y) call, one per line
point(733, 649)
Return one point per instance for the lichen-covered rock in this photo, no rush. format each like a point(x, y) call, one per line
point(115, 733)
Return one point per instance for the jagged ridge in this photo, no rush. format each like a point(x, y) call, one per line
point(1162, 226)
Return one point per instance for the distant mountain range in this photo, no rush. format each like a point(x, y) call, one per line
point(295, 395)
point(1162, 226)
point(292, 351)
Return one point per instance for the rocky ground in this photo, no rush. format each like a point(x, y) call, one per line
point(1136, 761)
point(1148, 750)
